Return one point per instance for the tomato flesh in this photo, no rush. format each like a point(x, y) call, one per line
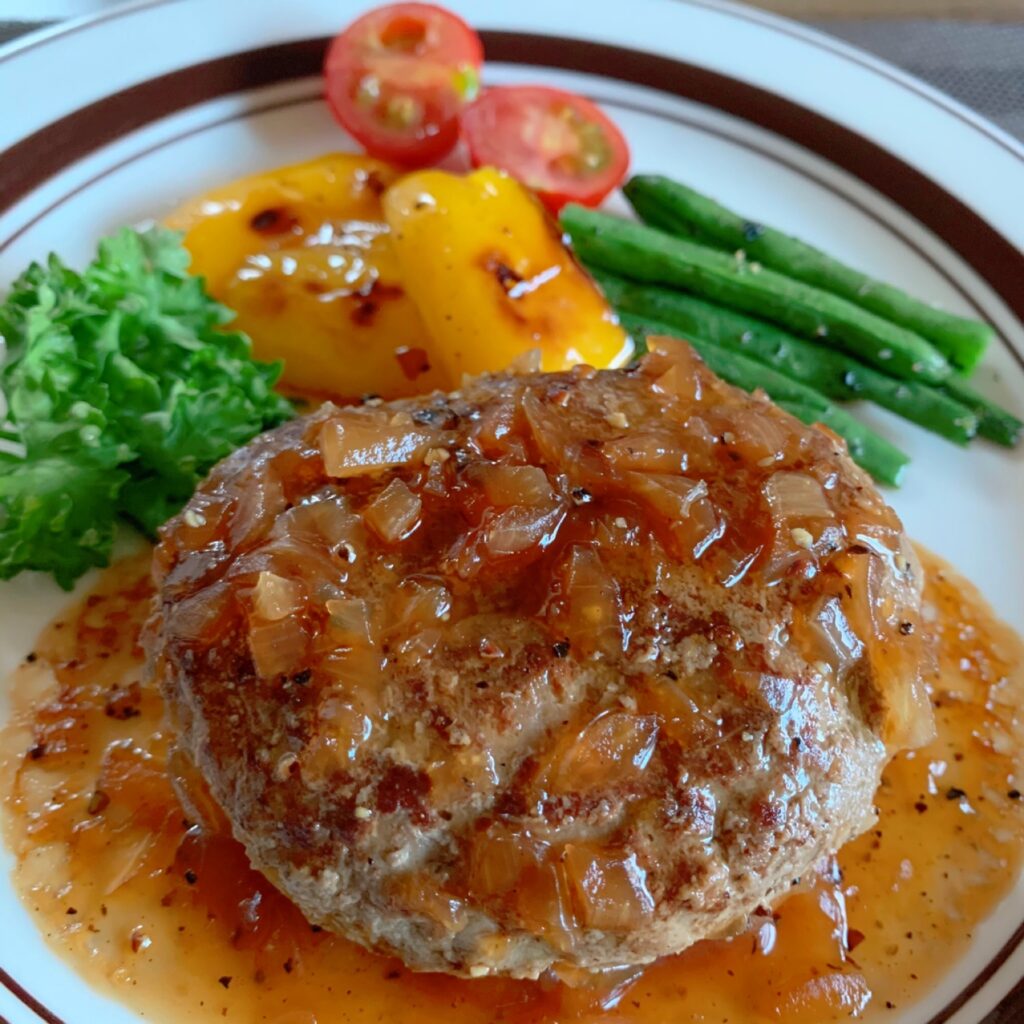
point(559, 144)
point(398, 78)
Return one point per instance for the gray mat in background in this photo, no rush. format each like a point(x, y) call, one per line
point(982, 65)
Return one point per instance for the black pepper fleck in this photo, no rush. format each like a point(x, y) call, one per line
point(191, 877)
point(560, 648)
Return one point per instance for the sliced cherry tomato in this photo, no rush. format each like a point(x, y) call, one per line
point(559, 144)
point(398, 77)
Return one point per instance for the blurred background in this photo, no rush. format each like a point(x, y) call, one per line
point(972, 9)
point(971, 49)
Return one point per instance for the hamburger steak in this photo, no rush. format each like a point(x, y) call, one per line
point(558, 669)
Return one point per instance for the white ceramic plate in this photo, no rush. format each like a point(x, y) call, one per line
point(114, 120)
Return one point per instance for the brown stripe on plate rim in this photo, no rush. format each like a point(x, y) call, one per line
point(43, 154)
point(764, 19)
point(28, 999)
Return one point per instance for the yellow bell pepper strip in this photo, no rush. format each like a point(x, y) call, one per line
point(303, 256)
point(492, 279)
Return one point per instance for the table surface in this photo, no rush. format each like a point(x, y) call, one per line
point(1003, 10)
point(1009, 10)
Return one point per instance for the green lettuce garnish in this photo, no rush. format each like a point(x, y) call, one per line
point(119, 390)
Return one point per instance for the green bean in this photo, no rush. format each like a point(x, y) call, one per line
point(675, 208)
point(645, 254)
point(834, 374)
point(994, 422)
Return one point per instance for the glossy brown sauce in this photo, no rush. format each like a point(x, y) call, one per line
point(173, 922)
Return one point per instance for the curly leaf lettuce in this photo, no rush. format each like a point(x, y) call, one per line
point(119, 390)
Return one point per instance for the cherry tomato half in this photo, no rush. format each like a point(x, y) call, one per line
point(398, 77)
point(557, 143)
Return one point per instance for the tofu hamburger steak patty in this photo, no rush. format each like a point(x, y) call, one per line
point(559, 669)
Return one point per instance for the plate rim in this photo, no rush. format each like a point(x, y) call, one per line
point(769, 19)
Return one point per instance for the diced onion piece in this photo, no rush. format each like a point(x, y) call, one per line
point(516, 530)
point(526, 362)
point(257, 506)
point(544, 903)
point(494, 428)
point(278, 647)
point(497, 860)
point(419, 646)
point(665, 352)
point(202, 617)
point(275, 597)
point(394, 513)
point(910, 718)
point(839, 645)
point(646, 451)
point(595, 607)
point(315, 543)
point(888, 597)
point(355, 675)
point(678, 383)
point(670, 496)
point(356, 445)
point(804, 522)
point(794, 498)
point(762, 436)
point(515, 485)
point(420, 893)
point(699, 530)
point(330, 524)
point(616, 746)
point(347, 728)
point(420, 601)
point(610, 887)
point(349, 622)
point(692, 521)
point(548, 431)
